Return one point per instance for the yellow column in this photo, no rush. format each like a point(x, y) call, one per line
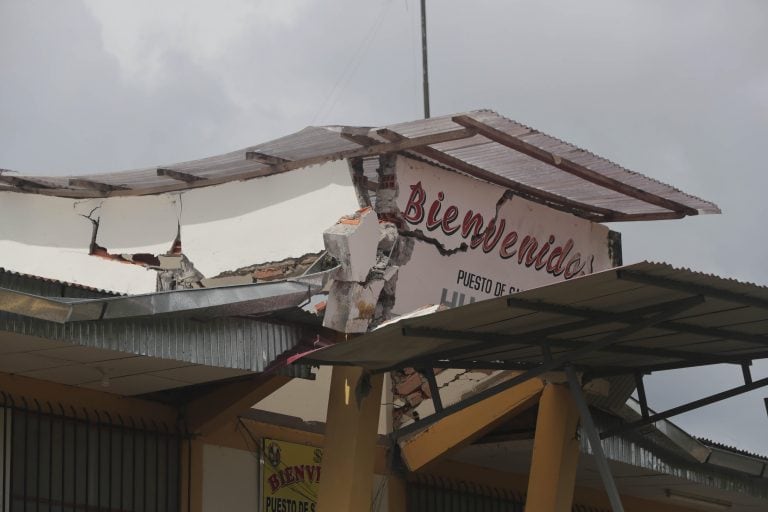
point(555, 452)
point(349, 450)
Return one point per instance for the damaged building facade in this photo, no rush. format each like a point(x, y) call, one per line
point(181, 313)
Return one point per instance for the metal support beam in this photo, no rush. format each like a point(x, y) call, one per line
point(434, 390)
point(717, 397)
point(708, 291)
point(490, 344)
point(498, 343)
point(641, 394)
point(692, 363)
point(746, 372)
point(594, 441)
point(554, 364)
point(631, 316)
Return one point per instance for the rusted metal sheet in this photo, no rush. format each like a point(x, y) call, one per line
point(492, 148)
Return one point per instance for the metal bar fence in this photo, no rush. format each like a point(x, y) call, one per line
point(54, 459)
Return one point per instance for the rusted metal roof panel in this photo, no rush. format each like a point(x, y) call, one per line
point(497, 149)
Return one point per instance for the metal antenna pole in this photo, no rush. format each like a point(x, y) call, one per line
point(424, 57)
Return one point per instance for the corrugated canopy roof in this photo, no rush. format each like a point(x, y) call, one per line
point(638, 318)
point(482, 144)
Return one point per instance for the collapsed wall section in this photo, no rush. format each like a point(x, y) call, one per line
point(428, 236)
point(244, 231)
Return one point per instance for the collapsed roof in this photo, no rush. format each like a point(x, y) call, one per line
point(481, 143)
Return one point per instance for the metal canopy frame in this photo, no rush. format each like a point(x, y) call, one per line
point(471, 349)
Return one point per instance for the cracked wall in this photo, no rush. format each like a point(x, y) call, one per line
point(444, 238)
point(266, 221)
point(428, 236)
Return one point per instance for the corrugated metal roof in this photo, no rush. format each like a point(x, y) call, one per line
point(732, 449)
point(479, 143)
point(237, 343)
point(642, 317)
point(242, 300)
point(47, 287)
point(640, 453)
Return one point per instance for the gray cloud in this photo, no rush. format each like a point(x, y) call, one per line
point(676, 90)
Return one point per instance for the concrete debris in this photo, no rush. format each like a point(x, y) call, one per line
point(169, 262)
point(216, 282)
point(283, 269)
point(413, 396)
point(353, 241)
point(184, 277)
point(351, 305)
point(408, 385)
point(414, 399)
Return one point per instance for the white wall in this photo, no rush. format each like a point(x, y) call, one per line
point(230, 480)
point(308, 400)
point(223, 227)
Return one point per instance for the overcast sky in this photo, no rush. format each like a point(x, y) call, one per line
point(677, 90)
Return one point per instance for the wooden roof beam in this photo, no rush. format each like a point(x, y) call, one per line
point(95, 185)
point(587, 211)
point(23, 182)
point(571, 167)
point(363, 140)
point(265, 159)
point(178, 175)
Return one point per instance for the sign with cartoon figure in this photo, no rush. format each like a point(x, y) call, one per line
point(290, 476)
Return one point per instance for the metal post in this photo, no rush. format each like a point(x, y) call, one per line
point(424, 57)
point(594, 441)
point(434, 390)
point(641, 394)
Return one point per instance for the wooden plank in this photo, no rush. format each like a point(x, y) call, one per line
point(22, 182)
point(178, 175)
point(558, 202)
point(95, 185)
point(571, 167)
point(633, 217)
point(212, 411)
point(467, 425)
point(264, 158)
point(92, 190)
point(363, 140)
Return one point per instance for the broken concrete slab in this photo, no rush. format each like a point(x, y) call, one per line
point(353, 242)
point(351, 306)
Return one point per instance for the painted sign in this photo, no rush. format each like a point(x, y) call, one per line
point(475, 240)
point(290, 476)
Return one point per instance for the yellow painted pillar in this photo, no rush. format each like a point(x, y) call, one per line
point(349, 450)
point(555, 452)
